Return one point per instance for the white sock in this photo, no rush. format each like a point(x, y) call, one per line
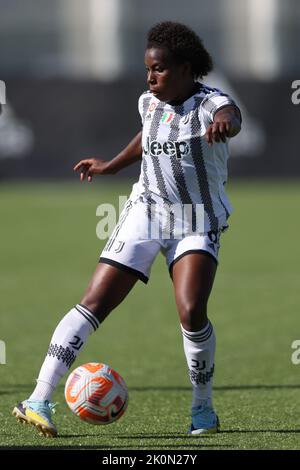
point(199, 348)
point(67, 341)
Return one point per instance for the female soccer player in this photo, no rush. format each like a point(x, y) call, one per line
point(183, 152)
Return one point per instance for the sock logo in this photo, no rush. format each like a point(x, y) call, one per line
point(202, 378)
point(197, 365)
point(62, 354)
point(77, 343)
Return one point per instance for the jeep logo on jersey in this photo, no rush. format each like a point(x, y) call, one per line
point(170, 148)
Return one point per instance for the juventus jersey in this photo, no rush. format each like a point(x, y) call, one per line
point(178, 165)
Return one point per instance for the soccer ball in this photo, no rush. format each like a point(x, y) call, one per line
point(96, 393)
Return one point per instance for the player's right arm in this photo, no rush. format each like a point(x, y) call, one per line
point(93, 166)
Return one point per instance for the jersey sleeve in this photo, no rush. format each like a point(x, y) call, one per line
point(215, 101)
point(141, 108)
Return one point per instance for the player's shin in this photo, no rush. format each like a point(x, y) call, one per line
point(66, 343)
point(199, 348)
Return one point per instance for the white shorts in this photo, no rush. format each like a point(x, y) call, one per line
point(131, 249)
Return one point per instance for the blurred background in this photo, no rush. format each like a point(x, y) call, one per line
point(74, 71)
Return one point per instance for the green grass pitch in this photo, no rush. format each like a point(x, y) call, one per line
point(48, 252)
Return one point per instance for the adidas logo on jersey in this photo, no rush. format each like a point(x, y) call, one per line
point(170, 148)
point(151, 108)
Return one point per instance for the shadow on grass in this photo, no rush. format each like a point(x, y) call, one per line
point(246, 431)
point(7, 389)
point(121, 447)
point(217, 389)
point(138, 436)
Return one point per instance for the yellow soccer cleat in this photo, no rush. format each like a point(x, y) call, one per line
point(38, 413)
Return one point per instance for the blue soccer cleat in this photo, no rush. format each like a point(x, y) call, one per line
point(38, 413)
point(204, 420)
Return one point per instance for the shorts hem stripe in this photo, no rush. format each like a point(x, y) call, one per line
point(125, 268)
point(190, 252)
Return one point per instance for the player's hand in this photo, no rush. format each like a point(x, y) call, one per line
point(90, 167)
point(218, 131)
point(227, 123)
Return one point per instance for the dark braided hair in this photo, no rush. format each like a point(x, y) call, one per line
point(184, 45)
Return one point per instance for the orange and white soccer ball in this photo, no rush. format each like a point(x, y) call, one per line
point(96, 393)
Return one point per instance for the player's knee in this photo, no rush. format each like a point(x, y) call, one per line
point(193, 315)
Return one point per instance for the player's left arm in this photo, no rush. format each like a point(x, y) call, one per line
point(226, 123)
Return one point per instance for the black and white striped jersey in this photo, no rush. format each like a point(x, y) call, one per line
point(178, 165)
